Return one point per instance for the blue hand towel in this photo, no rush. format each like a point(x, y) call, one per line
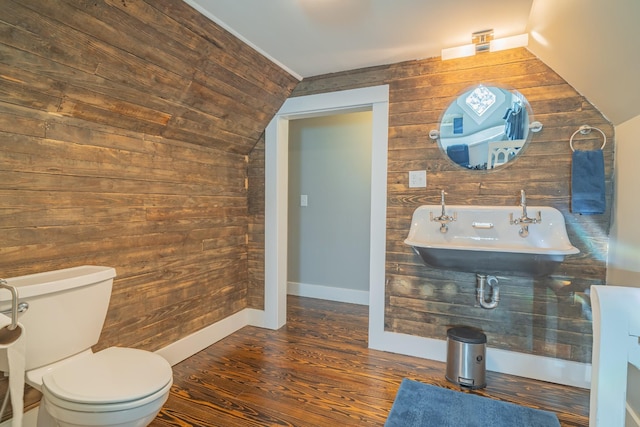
point(587, 182)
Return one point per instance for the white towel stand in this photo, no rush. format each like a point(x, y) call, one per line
point(616, 331)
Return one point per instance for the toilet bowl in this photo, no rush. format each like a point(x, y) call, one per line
point(117, 386)
point(114, 387)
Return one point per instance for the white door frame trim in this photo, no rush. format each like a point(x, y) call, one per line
point(374, 98)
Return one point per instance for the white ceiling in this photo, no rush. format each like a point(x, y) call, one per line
point(591, 43)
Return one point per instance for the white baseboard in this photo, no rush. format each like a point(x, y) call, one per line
point(550, 369)
point(188, 346)
point(542, 368)
point(331, 293)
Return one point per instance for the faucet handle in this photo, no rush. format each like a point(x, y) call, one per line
point(538, 217)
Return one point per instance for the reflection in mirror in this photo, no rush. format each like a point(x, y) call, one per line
point(485, 127)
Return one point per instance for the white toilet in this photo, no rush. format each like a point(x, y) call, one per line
point(117, 386)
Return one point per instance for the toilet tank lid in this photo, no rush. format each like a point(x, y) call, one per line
point(57, 280)
point(112, 375)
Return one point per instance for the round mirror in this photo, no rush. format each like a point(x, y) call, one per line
point(485, 127)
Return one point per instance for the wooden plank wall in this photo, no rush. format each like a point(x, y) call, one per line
point(125, 131)
point(550, 316)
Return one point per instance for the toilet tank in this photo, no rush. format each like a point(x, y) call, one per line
point(67, 309)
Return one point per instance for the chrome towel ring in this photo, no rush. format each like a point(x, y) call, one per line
point(585, 130)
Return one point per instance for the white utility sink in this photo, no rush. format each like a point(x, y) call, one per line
point(483, 240)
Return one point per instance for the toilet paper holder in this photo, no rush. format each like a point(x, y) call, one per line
point(14, 303)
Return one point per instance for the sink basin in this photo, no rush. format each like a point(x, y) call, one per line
point(481, 240)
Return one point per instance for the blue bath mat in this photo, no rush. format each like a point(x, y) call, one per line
point(422, 405)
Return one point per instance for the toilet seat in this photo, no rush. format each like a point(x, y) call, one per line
point(113, 379)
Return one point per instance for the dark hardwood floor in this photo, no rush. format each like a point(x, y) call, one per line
point(318, 371)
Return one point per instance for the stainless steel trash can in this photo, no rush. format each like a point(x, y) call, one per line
point(466, 350)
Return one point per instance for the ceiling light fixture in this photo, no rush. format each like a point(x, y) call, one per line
point(483, 41)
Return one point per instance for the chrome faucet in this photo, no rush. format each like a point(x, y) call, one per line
point(443, 219)
point(524, 219)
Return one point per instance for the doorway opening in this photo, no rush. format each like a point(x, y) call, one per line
point(329, 207)
point(374, 99)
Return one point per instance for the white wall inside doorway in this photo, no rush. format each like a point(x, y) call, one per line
point(328, 237)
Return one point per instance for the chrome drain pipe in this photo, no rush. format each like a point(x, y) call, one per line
point(483, 281)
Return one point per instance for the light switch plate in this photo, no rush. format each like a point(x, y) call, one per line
point(417, 179)
point(304, 200)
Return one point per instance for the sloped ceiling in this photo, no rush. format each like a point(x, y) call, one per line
point(593, 45)
point(590, 43)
